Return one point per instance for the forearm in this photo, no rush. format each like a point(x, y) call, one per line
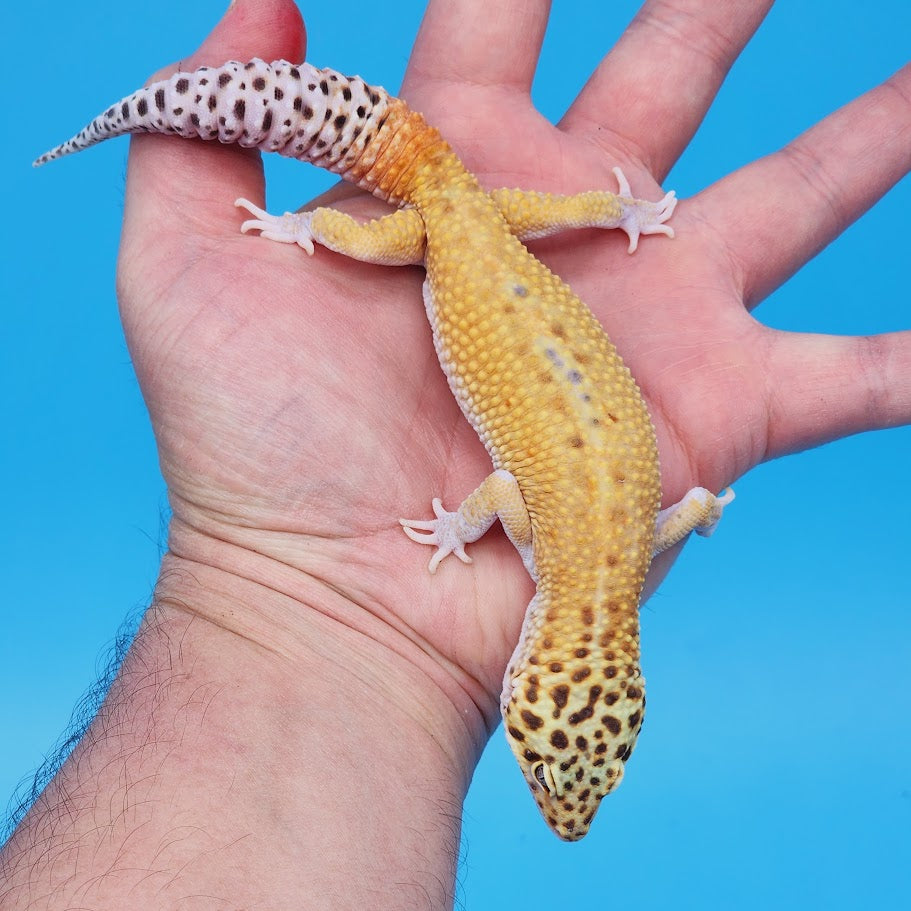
point(231, 771)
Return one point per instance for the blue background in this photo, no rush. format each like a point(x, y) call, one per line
point(775, 768)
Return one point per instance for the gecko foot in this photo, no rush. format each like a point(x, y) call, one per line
point(641, 216)
point(442, 531)
point(290, 228)
point(699, 511)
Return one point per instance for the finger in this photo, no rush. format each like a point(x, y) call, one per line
point(653, 89)
point(828, 387)
point(477, 42)
point(199, 179)
point(778, 212)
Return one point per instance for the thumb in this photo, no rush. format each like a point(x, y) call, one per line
point(183, 187)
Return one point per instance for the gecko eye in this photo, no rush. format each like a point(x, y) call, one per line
point(544, 777)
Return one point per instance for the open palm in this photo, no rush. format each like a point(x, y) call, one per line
point(298, 404)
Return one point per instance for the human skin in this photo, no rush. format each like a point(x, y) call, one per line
point(297, 721)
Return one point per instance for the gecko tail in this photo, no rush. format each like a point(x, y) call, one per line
point(293, 109)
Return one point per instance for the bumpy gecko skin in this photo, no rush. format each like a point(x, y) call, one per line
point(576, 483)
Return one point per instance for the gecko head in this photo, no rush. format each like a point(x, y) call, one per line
point(572, 742)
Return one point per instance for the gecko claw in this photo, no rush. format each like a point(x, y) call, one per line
point(441, 531)
point(642, 217)
point(290, 228)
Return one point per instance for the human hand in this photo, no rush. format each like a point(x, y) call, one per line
point(318, 376)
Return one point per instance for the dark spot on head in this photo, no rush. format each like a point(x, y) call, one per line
point(531, 694)
point(295, 72)
point(531, 755)
point(240, 108)
point(610, 672)
point(576, 442)
point(340, 121)
point(259, 83)
point(601, 748)
point(588, 615)
point(559, 740)
point(560, 695)
point(346, 93)
point(611, 698)
point(324, 87)
point(532, 720)
point(515, 733)
point(611, 723)
point(581, 674)
point(224, 79)
point(182, 86)
point(361, 111)
point(583, 714)
point(556, 667)
point(581, 653)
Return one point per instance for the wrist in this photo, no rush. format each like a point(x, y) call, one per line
point(313, 632)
